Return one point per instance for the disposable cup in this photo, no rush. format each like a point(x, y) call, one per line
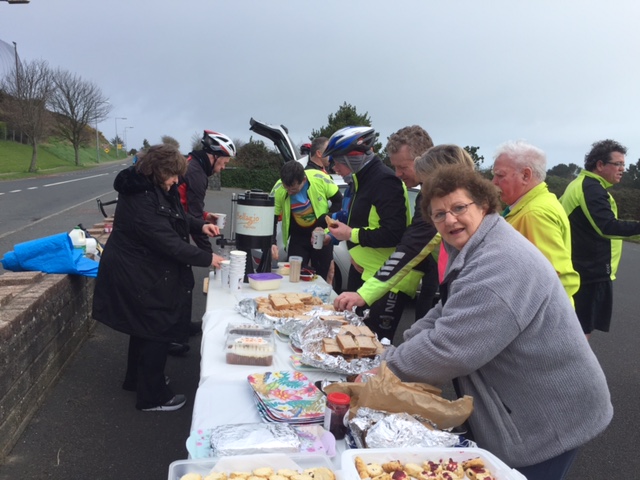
point(295, 265)
point(317, 238)
point(221, 220)
point(238, 253)
point(224, 276)
point(235, 281)
point(225, 268)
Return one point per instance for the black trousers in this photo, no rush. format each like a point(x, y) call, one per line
point(320, 259)
point(384, 314)
point(145, 372)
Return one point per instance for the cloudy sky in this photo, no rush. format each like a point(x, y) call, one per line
point(559, 74)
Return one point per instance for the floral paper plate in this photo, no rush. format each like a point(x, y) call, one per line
point(288, 395)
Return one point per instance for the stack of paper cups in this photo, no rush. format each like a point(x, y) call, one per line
point(224, 273)
point(237, 265)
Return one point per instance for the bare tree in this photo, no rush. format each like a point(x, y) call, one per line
point(28, 89)
point(167, 139)
point(78, 104)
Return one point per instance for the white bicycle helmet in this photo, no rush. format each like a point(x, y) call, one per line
point(218, 144)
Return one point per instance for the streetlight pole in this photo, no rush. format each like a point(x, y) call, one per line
point(118, 118)
point(126, 145)
point(97, 136)
point(97, 143)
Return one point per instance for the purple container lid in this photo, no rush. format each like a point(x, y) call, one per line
point(264, 276)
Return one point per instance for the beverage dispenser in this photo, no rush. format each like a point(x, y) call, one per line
point(254, 222)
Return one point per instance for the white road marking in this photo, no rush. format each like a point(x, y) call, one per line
point(74, 180)
point(32, 188)
point(15, 191)
point(54, 214)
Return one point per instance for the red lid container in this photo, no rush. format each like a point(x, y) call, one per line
point(338, 398)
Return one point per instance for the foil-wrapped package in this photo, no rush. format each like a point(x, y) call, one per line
point(376, 429)
point(309, 340)
point(284, 325)
point(253, 438)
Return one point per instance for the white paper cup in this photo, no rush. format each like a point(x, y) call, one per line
point(225, 268)
point(221, 220)
point(317, 238)
point(235, 281)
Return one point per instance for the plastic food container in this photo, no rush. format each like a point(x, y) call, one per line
point(250, 350)
point(264, 281)
point(243, 463)
point(418, 455)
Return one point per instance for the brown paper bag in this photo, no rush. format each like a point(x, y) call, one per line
point(386, 392)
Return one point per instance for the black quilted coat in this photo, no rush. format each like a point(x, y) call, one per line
point(145, 280)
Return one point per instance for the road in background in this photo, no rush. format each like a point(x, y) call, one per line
point(38, 207)
point(89, 428)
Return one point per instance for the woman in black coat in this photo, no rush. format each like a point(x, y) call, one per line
point(145, 280)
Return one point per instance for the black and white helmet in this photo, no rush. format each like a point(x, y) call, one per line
point(218, 144)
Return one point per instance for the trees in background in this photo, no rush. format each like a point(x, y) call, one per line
point(347, 115)
point(169, 140)
point(27, 91)
point(477, 159)
point(77, 104)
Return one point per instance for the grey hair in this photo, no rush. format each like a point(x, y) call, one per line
point(523, 155)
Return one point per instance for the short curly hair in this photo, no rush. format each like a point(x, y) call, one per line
point(601, 152)
point(161, 162)
point(449, 178)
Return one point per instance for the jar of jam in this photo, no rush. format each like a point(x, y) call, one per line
point(335, 414)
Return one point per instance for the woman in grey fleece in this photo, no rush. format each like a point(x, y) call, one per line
point(506, 331)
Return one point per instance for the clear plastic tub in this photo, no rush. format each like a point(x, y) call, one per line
point(250, 349)
point(498, 468)
point(246, 463)
point(264, 281)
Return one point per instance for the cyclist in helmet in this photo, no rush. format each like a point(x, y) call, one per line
point(409, 257)
point(305, 148)
point(378, 215)
point(217, 150)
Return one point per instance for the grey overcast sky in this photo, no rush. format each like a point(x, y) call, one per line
point(559, 74)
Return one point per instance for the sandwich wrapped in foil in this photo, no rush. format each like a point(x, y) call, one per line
point(309, 340)
point(253, 438)
point(284, 325)
point(376, 429)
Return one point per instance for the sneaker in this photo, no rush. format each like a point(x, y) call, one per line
point(175, 403)
point(178, 349)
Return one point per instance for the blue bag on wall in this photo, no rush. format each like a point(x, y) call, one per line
point(54, 254)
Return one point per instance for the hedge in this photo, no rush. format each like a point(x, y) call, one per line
point(262, 179)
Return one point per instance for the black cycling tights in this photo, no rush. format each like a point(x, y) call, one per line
point(385, 314)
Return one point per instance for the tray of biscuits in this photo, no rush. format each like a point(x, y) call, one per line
point(256, 467)
point(425, 463)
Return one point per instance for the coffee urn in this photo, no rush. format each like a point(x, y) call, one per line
point(254, 224)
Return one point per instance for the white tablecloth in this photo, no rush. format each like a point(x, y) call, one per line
point(224, 395)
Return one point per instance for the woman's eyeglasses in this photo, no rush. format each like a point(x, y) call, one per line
point(456, 211)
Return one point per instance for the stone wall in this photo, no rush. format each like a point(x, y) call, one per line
point(44, 320)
